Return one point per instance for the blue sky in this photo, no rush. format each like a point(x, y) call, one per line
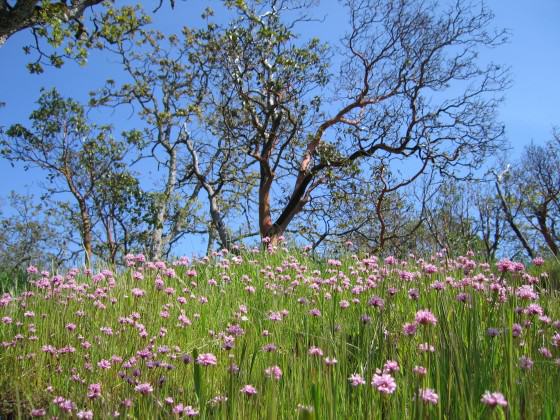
point(530, 110)
point(531, 106)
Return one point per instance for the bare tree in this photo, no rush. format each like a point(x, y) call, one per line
point(540, 184)
point(409, 86)
point(451, 218)
point(378, 214)
point(528, 192)
point(490, 222)
point(511, 208)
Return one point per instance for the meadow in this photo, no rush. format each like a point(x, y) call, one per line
point(274, 335)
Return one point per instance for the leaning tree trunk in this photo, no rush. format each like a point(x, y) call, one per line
point(510, 220)
point(545, 231)
point(218, 222)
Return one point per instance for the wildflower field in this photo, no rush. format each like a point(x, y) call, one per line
point(269, 335)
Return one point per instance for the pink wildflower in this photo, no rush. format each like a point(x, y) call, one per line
point(430, 269)
point(38, 412)
point(494, 399)
point(525, 363)
point(275, 316)
point(273, 372)
point(390, 260)
point(330, 361)
point(516, 330)
point(420, 370)
point(32, 270)
point(413, 294)
point(144, 389)
point(390, 366)
point(269, 348)
point(85, 414)
point(188, 410)
point(538, 261)
point(409, 328)
point(534, 309)
point(425, 317)
point(315, 312)
point(425, 347)
point(556, 340)
point(248, 390)
point(429, 396)
point(207, 359)
point(356, 380)
point(94, 391)
point(315, 351)
point(104, 364)
point(526, 292)
point(384, 383)
point(376, 302)
point(545, 352)
point(106, 330)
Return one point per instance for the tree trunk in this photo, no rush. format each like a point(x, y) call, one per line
point(161, 215)
point(86, 226)
point(111, 244)
point(86, 233)
point(265, 217)
point(211, 238)
point(218, 222)
point(20, 17)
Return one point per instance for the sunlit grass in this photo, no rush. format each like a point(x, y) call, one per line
point(254, 312)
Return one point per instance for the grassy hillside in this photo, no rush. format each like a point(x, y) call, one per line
point(280, 336)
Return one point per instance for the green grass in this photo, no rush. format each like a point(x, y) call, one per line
point(12, 281)
point(466, 361)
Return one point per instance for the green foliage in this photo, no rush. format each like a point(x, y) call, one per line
point(31, 232)
point(85, 162)
point(69, 32)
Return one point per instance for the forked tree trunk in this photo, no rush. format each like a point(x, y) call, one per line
point(215, 211)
